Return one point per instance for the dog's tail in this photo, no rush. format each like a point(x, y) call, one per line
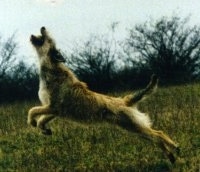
point(132, 99)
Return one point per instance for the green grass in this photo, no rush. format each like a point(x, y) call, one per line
point(101, 146)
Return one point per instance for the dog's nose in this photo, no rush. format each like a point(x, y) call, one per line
point(31, 38)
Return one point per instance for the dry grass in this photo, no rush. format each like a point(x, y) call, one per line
point(103, 147)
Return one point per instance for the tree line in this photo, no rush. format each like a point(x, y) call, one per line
point(167, 47)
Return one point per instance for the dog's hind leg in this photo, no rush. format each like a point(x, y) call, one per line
point(167, 141)
point(164, 142)
point(42, 121)
point(138, 123)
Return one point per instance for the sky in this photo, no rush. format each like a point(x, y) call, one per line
point(73, 21)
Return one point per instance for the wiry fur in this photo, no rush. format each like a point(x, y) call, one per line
point(62, 94)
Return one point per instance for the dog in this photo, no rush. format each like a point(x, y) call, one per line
point(62, 94)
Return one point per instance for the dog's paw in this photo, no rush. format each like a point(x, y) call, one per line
point(171, 158)
point(178, 150)
point(47, 132)
point(32, 123)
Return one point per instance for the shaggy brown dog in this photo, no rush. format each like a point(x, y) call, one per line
point(62, 94)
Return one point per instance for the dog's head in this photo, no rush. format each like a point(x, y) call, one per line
point(46, 48)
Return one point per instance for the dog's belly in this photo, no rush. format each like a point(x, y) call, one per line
point(86, 109)
point(78, 111)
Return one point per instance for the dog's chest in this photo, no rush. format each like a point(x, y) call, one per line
point(43, 93)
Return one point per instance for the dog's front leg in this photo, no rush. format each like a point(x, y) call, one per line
point(42, 121)
point(36, 111)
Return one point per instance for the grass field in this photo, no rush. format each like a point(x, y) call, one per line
point(101, 146)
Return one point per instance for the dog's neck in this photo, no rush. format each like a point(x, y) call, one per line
point(58, 69)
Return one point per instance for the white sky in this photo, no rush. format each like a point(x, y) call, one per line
point(72, 21)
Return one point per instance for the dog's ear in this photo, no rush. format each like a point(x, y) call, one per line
point(56, 56)
point(43, 31)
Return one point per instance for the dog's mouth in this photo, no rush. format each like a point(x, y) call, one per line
point(39, 40)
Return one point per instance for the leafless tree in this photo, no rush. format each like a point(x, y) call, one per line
point(7, 55)
point(96, 62)
point(17, 80)
point(167, 47)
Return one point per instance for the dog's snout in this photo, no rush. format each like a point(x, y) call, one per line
point(32, 38)
point(37, 41)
